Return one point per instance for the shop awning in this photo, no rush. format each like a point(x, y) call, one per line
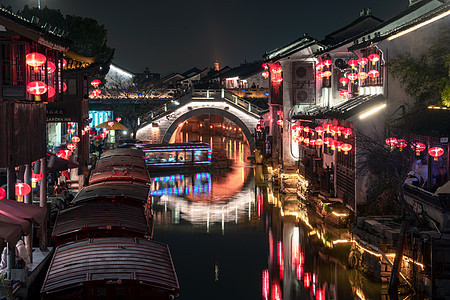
point(13, 228)
point(55, 163)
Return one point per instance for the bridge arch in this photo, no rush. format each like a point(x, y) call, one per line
point(210, 110)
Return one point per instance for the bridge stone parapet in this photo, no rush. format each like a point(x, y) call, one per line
point(237, 110)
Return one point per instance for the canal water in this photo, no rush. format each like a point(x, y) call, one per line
point(233, 236)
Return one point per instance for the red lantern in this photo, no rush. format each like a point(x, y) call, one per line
point(333, 129)
point(118, 119)
point(392, 141)
point(362, 61)
point(312, 142)
point(352, 76)
point(327, 127)
point(71, 146)
point(65, 154)
point(50, 67)
point(64, 63)
point(320, 65)
point(35, 60)
point(91, 132)
point(319, 130)
point(97, 137)
point(339, 130)
point(374, 58)
point(36, 88)
point(75, 139)
point(336, 144)
point(103, 135)
point(373, 74)
point(277, 80)
point(363, 75)
point(328, 141)
point(280, 113)
point(2, 193)
point(51, 92)
point(83, 132)
point(306, 141)
point(319, 75)
point(306, 129)
point(111, 123)
point(343, 80)
point(265, 74)
point(401, 143)
point(36, 177)
point(327, 62)
point(346, 148)
point(95, 82)
point(64, 87)
point(265, 66)
point(327, 74)
point(319, 142)
point(343, 93)
point(105, 131)
point(22, 189)
point(280, 122)
point(353, 63)
point(96, 92)
point(418, 147)
point(346, 132)
point(436, 152)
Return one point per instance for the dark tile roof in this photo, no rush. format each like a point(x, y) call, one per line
point(244, 70)
point(295, 46)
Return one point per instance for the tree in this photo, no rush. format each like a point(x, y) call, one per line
point(426, 78)
point(89, 38)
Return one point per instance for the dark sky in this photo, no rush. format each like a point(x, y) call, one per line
point(174, 36)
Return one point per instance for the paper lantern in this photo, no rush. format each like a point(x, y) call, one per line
point(91, 132)
point(111, 123)
point(2, 193)
point(50, 67)
point(22, 189)
point(362, 76)
point(374, 58)
point(65, 154)
point(436, 152)
point(64, 87)
point(319, 75)
point(51, 92)
point(96, 92)
point(346, 148)
point(352, 76)
point(327, 127)
point(319, 142)
point(353, 63)
point(118, 119)
point(64, 63)
point(401, 143)
point(327, 74)
point(36, 88)
point(265, 74)
point(97, 137)
point(280, 122)
point(346, 132)
point(35, 60)
point(103, 135)
point(36, 177)
point(278, 80)
point(312, 142)
point(336, 144)
point(339, 130)
point(327, 62)
point(373, 74)
point(343, 93)
point(328, 141)
point(333, 129)
point(418, 147)
point(306, 129)
point(95, 82)
point(320, 65)
point(362, 61)
point(75, 139)
point(319, 130)
point(265, 66)
point(306, 141)
point(71, 146)
point(344, 80)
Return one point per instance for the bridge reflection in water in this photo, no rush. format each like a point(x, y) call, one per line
point(233, 236)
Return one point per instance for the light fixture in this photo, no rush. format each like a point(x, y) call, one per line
point(372, 110)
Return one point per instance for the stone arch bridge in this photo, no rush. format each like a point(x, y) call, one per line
point(165, 120)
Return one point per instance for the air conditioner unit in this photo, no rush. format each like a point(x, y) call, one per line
point(304, 95)
point(302, 72)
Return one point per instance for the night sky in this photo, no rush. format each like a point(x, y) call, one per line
point(174, 36)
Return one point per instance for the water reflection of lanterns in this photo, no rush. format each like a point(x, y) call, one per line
point(418, 147)
point(436, 152)
point(35, 60)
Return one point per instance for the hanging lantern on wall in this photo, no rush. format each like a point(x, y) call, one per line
point(306, 129)
point(35, 60)
point(418, 147)
point(319, 75)
point(336, 145)
point(312, 142)
point(280, 122)
point(373, 74)
point(352, 77)
point(343, 93)
point(96, 92)
point(319, 130)
point(50, 67)
point(71, 146)
point(362, 76)
point(51, 91)
point(333, 129)
point(327, 62)
point(265, 66)
point(22, 189)
point(346, 148)
point(319, 142)
point(327, 127)
point(339, 130)
point(64, 63)
point(328, 141)
point(306, 141)
point(320, 65)
point(436, 152)
point(362, 61)
point(374, 58)
point(265, 74)
point(344, 80)
point(95, 82)
point(36, 88)
point(103, 135)
point(75, 139)
point(346, 132)
point(392, 141)
point(64, 87)
point(327, 74)
point(401, 143)
point(118, 119)
point(353, 63)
